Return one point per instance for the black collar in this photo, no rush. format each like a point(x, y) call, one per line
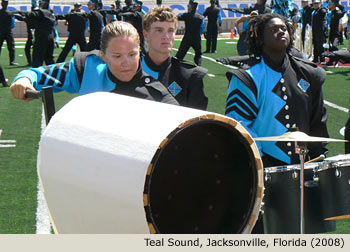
point(277, 67)
point(153, 66)
point(134, 80)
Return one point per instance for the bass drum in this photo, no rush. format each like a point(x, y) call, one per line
point(115, 164)
point(282, 201)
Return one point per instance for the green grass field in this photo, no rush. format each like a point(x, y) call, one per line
point(21, 121)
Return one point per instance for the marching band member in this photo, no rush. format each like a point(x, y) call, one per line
point(182, 79)
point(116, 68)
point(274, 91)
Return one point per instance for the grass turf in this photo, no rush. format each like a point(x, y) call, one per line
point(21, 121)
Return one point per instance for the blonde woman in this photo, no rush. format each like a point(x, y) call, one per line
point(116, 68)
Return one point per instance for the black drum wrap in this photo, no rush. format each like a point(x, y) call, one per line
point(282, 202)
point(334, 177)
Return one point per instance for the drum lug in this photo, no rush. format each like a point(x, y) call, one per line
point(267, 177)
point(262, 207)
point(337, 173)
point(295, 175)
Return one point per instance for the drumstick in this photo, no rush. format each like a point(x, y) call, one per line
point(319, 158)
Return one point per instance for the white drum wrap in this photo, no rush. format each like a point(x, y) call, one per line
point(101, 167)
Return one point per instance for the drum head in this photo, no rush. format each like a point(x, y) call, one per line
point(203, 180)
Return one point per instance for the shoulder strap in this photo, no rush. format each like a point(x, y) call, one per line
point(79, 62)
point(243, 76)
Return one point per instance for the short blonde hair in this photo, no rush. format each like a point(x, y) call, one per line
point(162, 14)
point(118, 29)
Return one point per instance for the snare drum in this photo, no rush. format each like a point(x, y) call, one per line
point(282, 201)
point(334, 178)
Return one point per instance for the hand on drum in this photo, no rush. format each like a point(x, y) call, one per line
point(19, 87)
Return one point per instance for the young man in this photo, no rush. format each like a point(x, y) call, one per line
point(275, 91)
point(183, 80)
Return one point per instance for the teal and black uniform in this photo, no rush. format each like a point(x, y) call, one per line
point(87, 73)
point(269, 99)
point(183, 80)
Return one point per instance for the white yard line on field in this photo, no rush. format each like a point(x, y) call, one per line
point(43, 225)
point(211, 59)
point(7, 143)
point(336, 106)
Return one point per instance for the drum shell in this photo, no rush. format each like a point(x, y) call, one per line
point(282, 204)
point(334, 178)
point(100, 154)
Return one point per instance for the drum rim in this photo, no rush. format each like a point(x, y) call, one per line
point(254, 211)
point(293, 167)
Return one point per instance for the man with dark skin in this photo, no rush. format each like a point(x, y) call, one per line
point(274, 91)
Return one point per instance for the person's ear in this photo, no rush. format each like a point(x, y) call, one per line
point(145, 34)
point(103, 56)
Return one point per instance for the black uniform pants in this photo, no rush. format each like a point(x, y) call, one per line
point(28, 46)
point(43, 48)
point(318, 41)
point(72, 40)
point(10, 44)
point(212, 37)
point(2, 76)
point(185, 45)
point(94, 42)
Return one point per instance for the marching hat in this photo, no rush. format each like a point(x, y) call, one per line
point(316, 1)
point(77, 5)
